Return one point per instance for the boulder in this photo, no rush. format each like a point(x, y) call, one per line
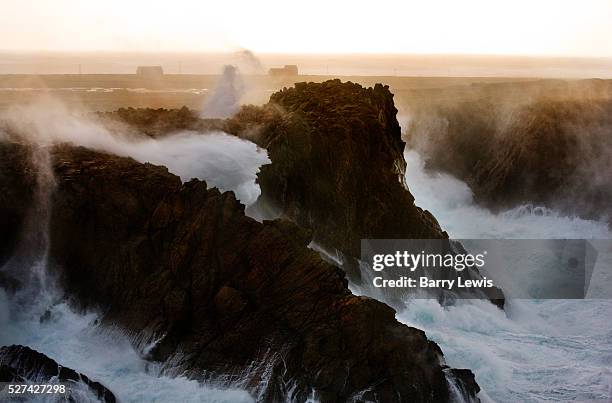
point(21, 364)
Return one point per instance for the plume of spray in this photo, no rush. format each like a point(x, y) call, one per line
point(249, 62)
point(233, 87)
point(28, 265)
point(225, 100)
point(223, 161)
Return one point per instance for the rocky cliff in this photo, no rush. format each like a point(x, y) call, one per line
point(338, 169)
point(219, 292)
point(337, 164)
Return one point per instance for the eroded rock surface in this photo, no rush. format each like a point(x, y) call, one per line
point(337, 164)
point(222, 294)
point(338, 169)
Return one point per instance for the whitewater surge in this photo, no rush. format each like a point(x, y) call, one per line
point(223, 161)
point(75, 341)
point(225, 99)
point(536, 350)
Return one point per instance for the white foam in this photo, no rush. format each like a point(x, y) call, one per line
point(535, 350)
point(451, 202)
point(74, 341)
point(223, 161)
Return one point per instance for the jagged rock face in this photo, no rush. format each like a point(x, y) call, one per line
point(549, 152)
point(223, 293)
point(20, 364)
point(337, 164)
point(338, 169)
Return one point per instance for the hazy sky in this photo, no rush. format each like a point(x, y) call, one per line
point(531, 27)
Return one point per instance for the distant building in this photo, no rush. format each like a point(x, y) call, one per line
point(149, 71)
point(287, 70)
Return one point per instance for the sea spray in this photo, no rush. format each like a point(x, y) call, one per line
point(28, 266)
point(534, 350)
point(225, 100)
point(75, 341)
point(451, 201)
point(235, 86)
point(223, 161)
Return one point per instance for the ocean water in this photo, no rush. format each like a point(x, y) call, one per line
point(537, 350)
point(75, 341)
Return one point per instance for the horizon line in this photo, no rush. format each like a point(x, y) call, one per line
point(302, 54)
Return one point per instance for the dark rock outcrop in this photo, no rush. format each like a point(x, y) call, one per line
point(550, 152)
point(22, 364)
point(338, 169)
point(337, 164)
point(221, 293)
